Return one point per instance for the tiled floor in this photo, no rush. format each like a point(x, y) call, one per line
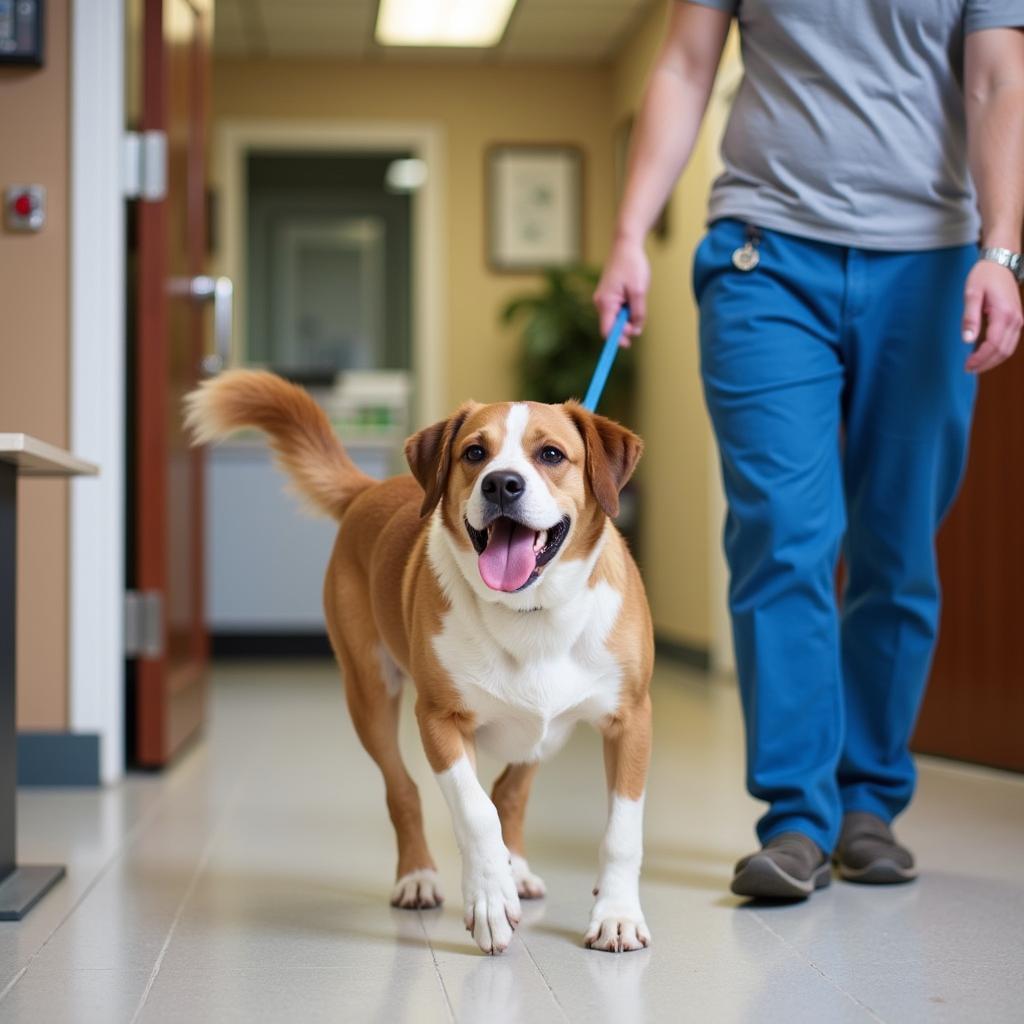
point(250, 884)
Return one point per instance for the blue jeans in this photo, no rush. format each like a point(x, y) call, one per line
point(834, 379)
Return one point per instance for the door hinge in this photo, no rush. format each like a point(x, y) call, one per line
point(143, 624)
point(144, 165)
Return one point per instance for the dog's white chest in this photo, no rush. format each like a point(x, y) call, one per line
point(529, 677)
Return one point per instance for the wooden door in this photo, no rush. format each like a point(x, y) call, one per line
point(974, 708)
point(169, 684)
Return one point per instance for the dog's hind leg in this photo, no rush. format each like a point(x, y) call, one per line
point(373, 691)
point(510, 793)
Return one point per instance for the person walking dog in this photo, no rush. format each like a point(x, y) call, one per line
point(871, 147)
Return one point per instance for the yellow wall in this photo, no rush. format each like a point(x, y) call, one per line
point(34, 364)
point(676, 471)
point(475, 105)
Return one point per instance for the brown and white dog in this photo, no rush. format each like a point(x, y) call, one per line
point(495, 580)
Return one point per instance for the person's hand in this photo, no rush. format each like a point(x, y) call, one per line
point(626, 277)
point(992, 315)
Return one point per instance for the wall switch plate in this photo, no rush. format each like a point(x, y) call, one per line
point(24, 207)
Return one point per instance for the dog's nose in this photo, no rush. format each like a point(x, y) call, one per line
point(504, 487)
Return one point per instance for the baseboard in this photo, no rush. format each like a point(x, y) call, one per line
point(688, 655)
point(58, 759)
point(316, 645)
point(240, 645)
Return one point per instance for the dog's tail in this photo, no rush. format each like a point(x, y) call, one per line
point(300, 433)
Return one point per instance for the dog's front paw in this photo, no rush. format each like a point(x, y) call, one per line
point(492, 904)
point(417, 890)
point(528, 885)
point(617, 928)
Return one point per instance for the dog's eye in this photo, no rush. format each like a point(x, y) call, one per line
point(474, 453)
point(551, 455)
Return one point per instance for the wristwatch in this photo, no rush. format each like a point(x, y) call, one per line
point(1013, 261)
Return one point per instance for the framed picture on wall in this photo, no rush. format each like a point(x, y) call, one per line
point(534, 206)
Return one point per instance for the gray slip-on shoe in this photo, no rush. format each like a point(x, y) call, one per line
point(788, 867)
point(868, 852)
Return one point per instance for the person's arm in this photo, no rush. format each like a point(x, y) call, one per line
point(994, 93)
point(673, 107)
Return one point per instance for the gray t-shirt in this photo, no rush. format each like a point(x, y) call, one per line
point(849, 124)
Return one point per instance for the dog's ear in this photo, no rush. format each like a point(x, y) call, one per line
point(429, 454)
point(612, 454)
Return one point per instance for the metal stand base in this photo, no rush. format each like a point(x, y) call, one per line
point(24, 887)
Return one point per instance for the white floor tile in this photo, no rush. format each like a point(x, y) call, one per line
point(274, 996)
point(250, 883)
point(74, 997)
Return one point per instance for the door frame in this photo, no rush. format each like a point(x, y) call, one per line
point(425, 140)
point(168, 684)
point(97, 380)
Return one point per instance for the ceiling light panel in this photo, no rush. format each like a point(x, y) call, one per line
point(477, 23)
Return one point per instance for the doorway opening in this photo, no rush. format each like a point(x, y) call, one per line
point(266, 155)
point(328, 263)
point(330, 237)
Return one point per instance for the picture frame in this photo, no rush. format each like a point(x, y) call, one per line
point(23, 33)
point(534, 199)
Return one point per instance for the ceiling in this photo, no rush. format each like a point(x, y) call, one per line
point(573, 30)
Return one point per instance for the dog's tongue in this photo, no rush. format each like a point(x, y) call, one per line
point(508, 560)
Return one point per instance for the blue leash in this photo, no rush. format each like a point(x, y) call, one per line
point(604, 364)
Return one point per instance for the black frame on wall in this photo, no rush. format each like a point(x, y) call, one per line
point(30, 54)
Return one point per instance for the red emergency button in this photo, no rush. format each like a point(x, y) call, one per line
point(24, 207)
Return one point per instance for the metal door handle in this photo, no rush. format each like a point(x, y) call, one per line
point(222, 292)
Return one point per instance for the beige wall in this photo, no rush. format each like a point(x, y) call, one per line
point(475, 105)
point(677, 470)
point(34, 363)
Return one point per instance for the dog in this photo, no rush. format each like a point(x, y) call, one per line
point(494, 578)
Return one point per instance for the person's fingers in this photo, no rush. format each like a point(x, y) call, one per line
point(608, 304)
point(637, 310)
point(996, 326)
point(982, 359)
point(997, 344)
point(985, 355)
point(627, 330)
point(610, 301)
point(1014, 335)
point(1008, 315)
point(1015, 314)
point(970, 327)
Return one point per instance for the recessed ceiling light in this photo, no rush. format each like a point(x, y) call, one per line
point(442, 22)
point(405, 175)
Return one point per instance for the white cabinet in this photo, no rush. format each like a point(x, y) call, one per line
point(265, 555)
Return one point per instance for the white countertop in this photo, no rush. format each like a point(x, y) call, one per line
point(353, 442)
point(37, 458)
